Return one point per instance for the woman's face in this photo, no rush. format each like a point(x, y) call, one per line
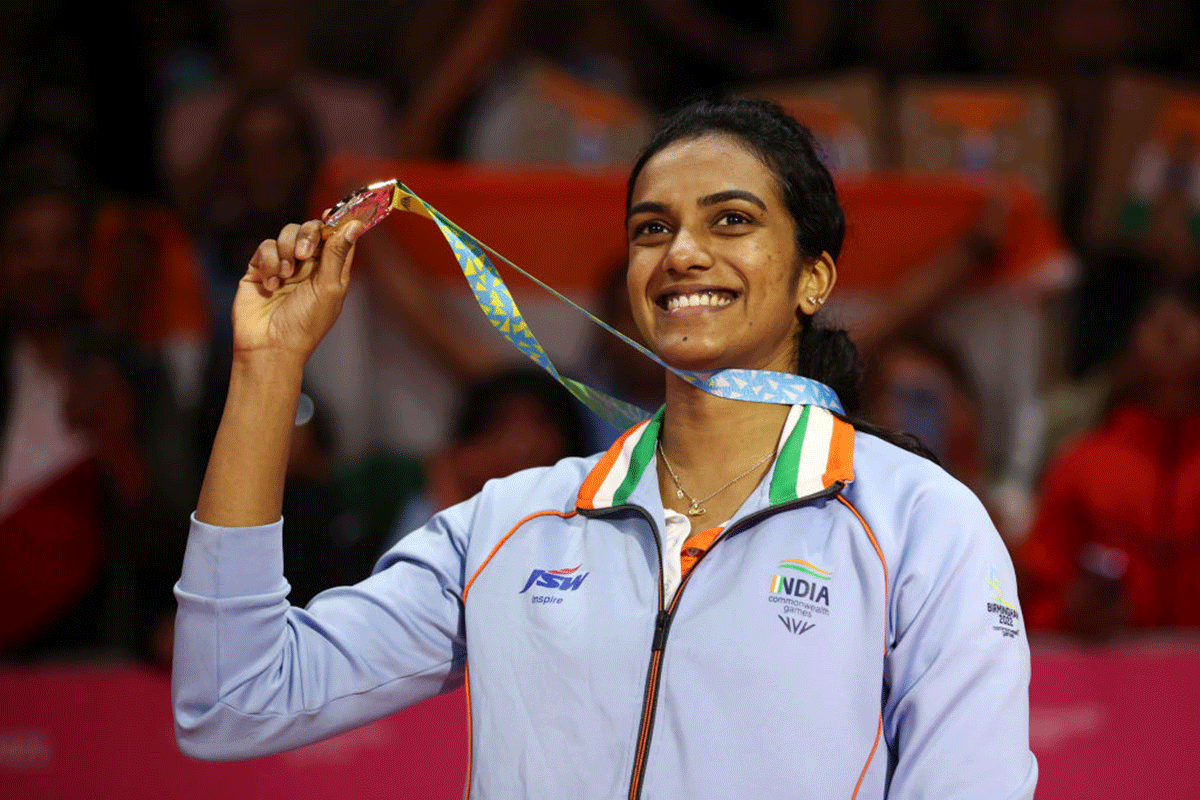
point(713, 264)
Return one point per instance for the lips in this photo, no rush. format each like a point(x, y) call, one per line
point(677, 300)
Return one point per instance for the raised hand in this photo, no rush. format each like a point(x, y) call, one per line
point(287, 301)
point(293, 291)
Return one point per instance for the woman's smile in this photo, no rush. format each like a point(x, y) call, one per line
point(714, 266)
point(689, 300)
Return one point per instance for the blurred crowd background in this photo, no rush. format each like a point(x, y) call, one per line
point(1045, 345)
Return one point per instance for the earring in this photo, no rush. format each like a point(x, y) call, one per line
point(816, 301)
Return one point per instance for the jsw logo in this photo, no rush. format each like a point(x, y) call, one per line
point(562, 579)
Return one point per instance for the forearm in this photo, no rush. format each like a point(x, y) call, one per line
point(243, 484)
point(482, 38)
point(252, 675)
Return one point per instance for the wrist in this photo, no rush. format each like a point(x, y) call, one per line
point(268, 368)
point(243, 484)
point(266, 389)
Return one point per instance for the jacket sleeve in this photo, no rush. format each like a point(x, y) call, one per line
point(253, 675)
point(956, 709)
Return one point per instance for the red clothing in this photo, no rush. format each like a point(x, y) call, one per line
point(1133, 484)
point(51, 553)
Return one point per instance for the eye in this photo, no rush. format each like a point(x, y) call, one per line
point(649, 228)
point(729, 218)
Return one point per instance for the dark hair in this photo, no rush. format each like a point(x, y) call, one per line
point(790, 151)
point(484, 400)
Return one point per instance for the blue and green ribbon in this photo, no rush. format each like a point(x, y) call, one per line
point(497, 304)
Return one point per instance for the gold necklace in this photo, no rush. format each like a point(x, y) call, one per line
point(696, 509)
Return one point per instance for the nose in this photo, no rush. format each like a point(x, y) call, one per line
point(688, 252)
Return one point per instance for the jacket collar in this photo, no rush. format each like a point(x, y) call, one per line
point(815, 451)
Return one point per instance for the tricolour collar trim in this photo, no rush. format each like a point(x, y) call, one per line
point(612, 480)
point(815, 451)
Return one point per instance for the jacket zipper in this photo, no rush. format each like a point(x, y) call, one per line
point(662, 624)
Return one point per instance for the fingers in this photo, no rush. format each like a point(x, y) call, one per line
point(337, 255)
point(308, 239)
point(285, 246)
point(277, 260)
point(334, 269)
point(265, 265)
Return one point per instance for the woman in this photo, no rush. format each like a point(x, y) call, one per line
point(713, 608)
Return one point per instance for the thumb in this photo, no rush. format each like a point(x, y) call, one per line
point(338, 253)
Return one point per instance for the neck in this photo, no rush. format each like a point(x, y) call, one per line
point(698, 424)
point(710, 440)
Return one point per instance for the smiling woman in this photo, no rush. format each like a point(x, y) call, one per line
point(673, 615)
point(730, 208)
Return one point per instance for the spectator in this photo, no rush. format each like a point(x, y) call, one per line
point(1116, 542)
point(268, 135)
point(920, 385)
point(87, 525)
point(516, 419)
point(145, 285)
point(263, 50)
point(566, 94)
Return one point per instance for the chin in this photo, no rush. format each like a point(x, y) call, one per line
point(694, 359)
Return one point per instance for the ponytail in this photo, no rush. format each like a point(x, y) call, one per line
point(830, 356)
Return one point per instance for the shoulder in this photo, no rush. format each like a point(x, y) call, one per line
point(469, 531)
point(560, 480)
point(906, 481)
point(917, 510)
point(938, 542)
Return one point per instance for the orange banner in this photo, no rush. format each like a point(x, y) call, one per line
point(567, 227)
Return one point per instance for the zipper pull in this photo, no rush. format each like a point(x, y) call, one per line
point(660, 630)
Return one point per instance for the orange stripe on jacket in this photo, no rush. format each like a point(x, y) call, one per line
point(886, 592)
point(466, 589)
point(499, 544)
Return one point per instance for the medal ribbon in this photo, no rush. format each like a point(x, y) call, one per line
point(373, 203)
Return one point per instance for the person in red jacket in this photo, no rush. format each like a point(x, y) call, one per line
point(1116, 541)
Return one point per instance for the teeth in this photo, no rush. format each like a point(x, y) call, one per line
point(715, 299)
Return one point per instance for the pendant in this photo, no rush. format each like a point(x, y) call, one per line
point(696, 510)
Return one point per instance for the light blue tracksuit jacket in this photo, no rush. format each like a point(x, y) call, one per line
point(852, 632)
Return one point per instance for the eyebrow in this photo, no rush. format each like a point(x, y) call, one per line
point(731, 194)
point(651, 207)
point(646, 207)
